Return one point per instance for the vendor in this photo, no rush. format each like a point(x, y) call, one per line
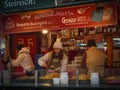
point(5, 62)
point(24, 59)
point(93, 59)
point(1, 66)
point(56, 59)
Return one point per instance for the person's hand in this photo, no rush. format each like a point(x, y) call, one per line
point(9, 65)
point(4, 59)
point(45, 65)
point(51, 71)
point(12, 59)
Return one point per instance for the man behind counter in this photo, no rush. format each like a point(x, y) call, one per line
point(93, 59)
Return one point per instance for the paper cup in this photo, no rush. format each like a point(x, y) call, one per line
point(56, 80)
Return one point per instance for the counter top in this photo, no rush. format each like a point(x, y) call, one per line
point(48, 86)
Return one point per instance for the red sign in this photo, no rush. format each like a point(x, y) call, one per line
point(27, 40)
point(61, 18)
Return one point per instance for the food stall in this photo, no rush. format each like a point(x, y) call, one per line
point(93, 21)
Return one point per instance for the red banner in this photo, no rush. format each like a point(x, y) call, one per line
point(27, 40)
point(61, 18)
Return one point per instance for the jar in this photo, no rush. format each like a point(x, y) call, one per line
point(94, 79)
point(64, 79)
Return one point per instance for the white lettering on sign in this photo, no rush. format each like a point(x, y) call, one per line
point(83, 19)
point(27, 24)
point(22, 24)
point(14, 3)
point(38, 23)
point(77, 20)
point(44, 15)
point(53, 13)
point(68, 20)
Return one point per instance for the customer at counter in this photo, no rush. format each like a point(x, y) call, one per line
point(55, 60)
point(93, 59)
point(1, 65)
point(5, 62)
point(24, 59)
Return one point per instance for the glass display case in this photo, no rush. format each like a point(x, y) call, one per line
point(75, 76)
point(112, 76)
point(116, 52)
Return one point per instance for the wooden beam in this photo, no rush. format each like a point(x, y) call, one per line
point(109, 50)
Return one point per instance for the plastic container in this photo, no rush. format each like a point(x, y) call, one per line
point(94, 79)
point(56, 80)
point(64, 79)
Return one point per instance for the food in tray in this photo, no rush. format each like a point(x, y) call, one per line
point(81, 77)
point(50, 76)
point(52, 67)
point(25, 78)
point(113, 78)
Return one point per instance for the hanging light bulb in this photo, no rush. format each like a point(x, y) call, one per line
point(45, 31)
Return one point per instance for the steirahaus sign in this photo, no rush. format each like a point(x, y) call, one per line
point(9, 6)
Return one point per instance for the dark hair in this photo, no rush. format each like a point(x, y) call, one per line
point(19, 47)
point(91, 42)
point(60, 55)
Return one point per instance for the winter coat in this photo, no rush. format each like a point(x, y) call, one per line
point(95, 60)
point(24, 59)
point(47, 58)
